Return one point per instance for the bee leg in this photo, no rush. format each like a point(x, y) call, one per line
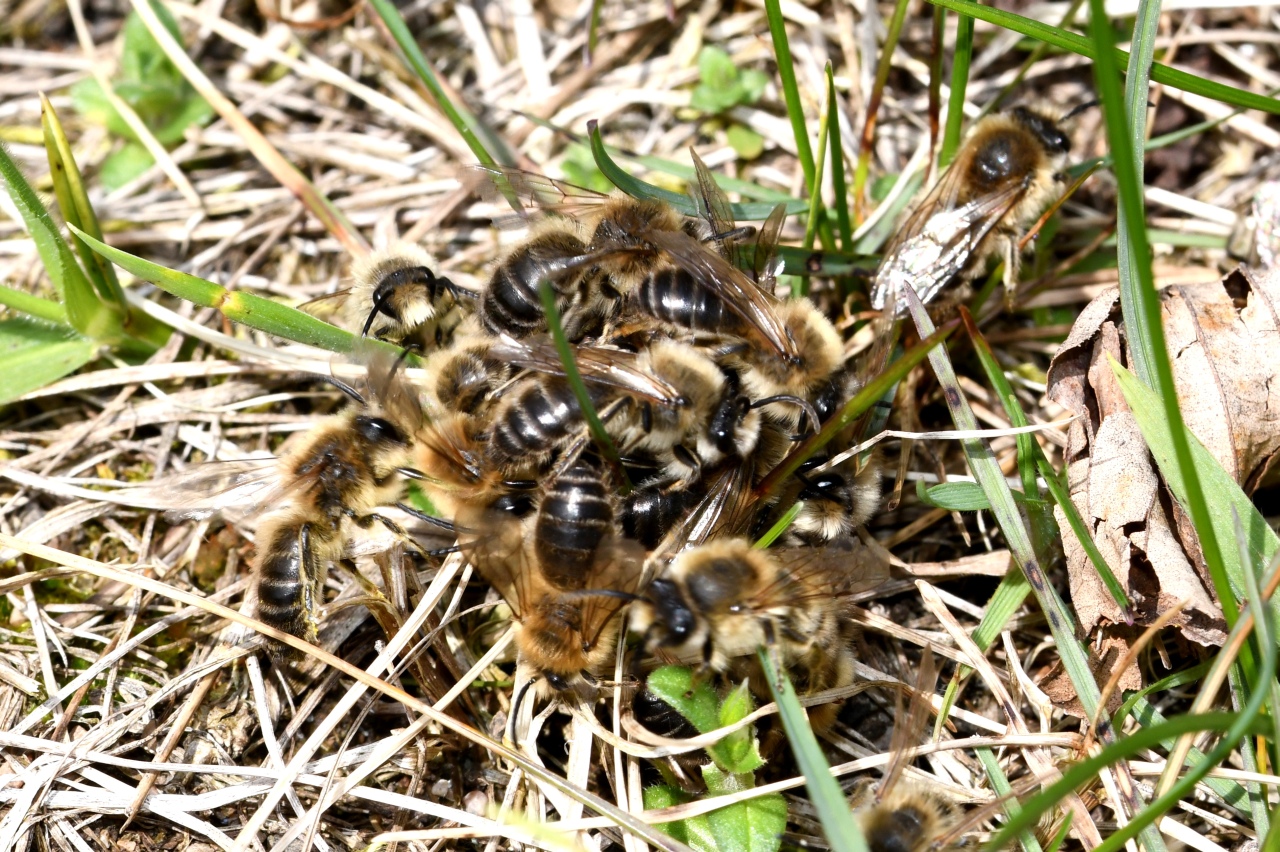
point(312, 583)
point(1012, 266)
point(367, 521)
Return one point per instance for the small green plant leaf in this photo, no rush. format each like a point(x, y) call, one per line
point(745, 142)
point(124, 164)
point(696, 702)
point(663, 796)
point(33, 354)
point(153, 87)
point(755, 825)
point(737, 753)
point(959, 496)
point(719, 89)
point(34, 306)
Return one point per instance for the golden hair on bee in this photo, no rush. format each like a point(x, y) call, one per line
point(398, 295)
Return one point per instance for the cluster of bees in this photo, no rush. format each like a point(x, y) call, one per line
point(702, 380)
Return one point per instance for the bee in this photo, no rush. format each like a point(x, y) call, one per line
point(567, 622)
point(725, 599)
point(556, 252)
point(399, 296)
point(1004, 175)
point(653, 508)
point(450, 452)
point(406, 297)
point(326, 482)
point(837, 499)
point(897, 815)
point(623, 244)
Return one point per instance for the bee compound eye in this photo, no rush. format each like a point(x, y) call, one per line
point(558, 681)
point(376, 430)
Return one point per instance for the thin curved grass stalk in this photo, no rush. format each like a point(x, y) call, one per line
point(883, 66)
point(1081, 46)
point(244, 308)
point(481, 140)
point(841, 829)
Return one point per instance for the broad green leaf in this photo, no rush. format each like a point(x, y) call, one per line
point(60, 264)
point(957, 496)
point(661, 796)
point(755, 825)
point(33, 354)
point(124, 164)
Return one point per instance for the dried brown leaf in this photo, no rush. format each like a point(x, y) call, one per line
point(1226, 361)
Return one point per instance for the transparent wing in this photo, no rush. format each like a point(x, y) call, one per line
point(494, 544)
point(725, 510)
point(328, 306)
point(239, 487)
point(843, 568)
point(609, 367)
point(533, 191)
point(940, 249)
point(395, 395)
point(765, 264)
point(729, 284)
point(614, 580)
point(714, 209)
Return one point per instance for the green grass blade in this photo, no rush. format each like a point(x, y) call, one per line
point(244, 308)
point(77, 294)
point(73, 201)
point(34, 306)
point(637, 188)
point(1147, 715)
point(574, 376)
point(779, 526)
point(838, 186)
point(33, 354)
point(796, 111)
point(1244, 723)
point(963, 56)
point(861, 402)
point(988, 474)
point(1001, 787)
point(790, 90)
point(842, 830)
point(482, 142)
point(1132, 744)
point(1218, 490)
point(1077, 44)
point(1032, 461)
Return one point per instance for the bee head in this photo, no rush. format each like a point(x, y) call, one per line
point(1044, 129)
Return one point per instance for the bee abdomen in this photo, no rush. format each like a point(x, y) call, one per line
point(540, 416)
point(575, 516)
point(648, 513)
point(674, 296)
point(290, 576)
point(511, 302)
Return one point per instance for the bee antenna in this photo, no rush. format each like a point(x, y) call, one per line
point(347, 389)
point(604, 593)
point(803, 404)
point(1081, 108)
point(423, 516)
point(515, 708)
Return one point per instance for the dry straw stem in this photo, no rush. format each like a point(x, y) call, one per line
point(366, 679)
